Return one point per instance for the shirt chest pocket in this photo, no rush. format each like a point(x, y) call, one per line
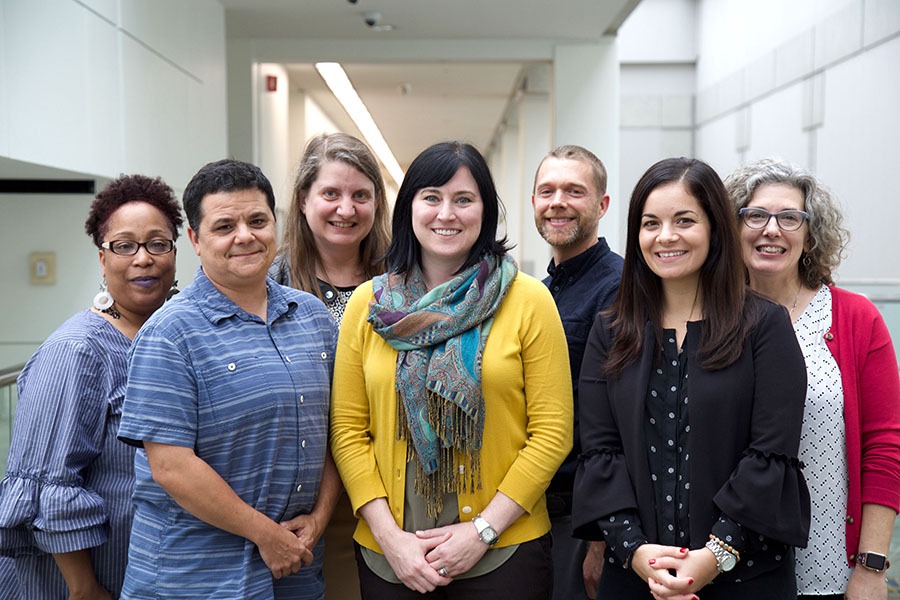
point(237, 393)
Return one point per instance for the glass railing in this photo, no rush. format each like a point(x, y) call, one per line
point(8, 400)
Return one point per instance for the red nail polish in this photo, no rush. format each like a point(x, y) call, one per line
point(684, 550)
point(652, 561)
point(691, 582)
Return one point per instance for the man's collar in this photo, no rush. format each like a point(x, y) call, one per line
point(216, 306)
point(576, 263)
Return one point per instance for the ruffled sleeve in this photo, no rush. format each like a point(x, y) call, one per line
point(767, 492)
point(59, 431)
point(602, 483)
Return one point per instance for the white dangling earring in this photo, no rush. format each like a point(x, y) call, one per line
point(103, 300)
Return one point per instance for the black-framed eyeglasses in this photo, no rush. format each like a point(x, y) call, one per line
point(130, 247)
point(788, 220)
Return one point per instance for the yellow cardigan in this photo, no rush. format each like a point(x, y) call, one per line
point(528, 411)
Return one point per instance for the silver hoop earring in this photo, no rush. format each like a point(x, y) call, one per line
point(103, 300)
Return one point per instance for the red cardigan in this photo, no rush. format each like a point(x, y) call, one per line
point(861, 345)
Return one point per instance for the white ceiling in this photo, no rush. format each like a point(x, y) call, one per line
point(427, 19)
point(442, 100)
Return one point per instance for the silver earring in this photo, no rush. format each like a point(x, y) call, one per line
point(103, 300)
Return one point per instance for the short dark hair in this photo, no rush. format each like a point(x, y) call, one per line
point(728, 315)
point(226, 175)
point(434, 167)
point(131, 188)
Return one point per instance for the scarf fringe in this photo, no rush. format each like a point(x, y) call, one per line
point(458, 468)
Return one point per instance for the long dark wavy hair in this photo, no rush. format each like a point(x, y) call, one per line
point(728, 314)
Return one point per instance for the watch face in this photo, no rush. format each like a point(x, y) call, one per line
point(728, 562)
point(874, 561)
point(487, 533)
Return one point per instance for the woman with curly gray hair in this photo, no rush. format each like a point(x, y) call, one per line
point(792, 240)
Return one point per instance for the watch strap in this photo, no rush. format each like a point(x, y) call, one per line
point(486, 533)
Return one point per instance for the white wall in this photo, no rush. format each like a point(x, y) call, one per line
point(273, 131)
point(658, 53)
point(826, 99)
point(137, 85)
point(736, 33)
point(93, 89)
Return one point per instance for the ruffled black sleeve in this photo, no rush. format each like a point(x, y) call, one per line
point(602, 483)
point(766, 492)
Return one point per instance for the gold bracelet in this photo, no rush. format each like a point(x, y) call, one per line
point(726, 547)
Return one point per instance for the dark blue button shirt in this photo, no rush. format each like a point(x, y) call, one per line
point(581, 286)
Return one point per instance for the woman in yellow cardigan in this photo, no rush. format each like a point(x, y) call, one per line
point(451, 405)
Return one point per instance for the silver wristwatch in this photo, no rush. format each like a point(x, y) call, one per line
point(486, 533)
point(725, 560)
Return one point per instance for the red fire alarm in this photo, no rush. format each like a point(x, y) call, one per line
point(271, 83)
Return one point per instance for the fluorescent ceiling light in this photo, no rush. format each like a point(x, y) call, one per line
point(340, 85)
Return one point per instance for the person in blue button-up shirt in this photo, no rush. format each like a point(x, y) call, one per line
point(228, 394)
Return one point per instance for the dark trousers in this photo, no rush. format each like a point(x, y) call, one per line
point(829, 597)
point(779, 584)
point(568, 561)
point(527, 575)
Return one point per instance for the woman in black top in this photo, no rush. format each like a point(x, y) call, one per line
point(692, 393)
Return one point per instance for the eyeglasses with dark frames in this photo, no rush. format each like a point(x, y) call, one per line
point(155, 247)
point(787, 220)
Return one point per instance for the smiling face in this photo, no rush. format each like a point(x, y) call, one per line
point(567, 206)
point(340, 206)
point(769, 251)
point(236, 241)
point(138, 283)
point(447, 221)
point(674, 234)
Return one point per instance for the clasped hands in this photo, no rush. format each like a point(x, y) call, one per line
point(692, 569)
point(421, 559)
point(288, 546)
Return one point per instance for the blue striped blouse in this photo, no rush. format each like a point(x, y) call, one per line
point(69, 480)
point(251, 398)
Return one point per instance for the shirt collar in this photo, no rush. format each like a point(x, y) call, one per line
point(577, 264)
point(217, 307)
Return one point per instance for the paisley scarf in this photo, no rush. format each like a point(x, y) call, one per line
point(440, 336)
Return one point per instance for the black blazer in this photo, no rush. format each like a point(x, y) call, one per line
point(745, 433)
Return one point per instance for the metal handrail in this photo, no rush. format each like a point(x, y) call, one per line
point(10, 374)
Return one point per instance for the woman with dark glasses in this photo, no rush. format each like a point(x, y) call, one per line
point(850, 440)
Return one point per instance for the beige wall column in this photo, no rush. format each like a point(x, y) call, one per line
point(586, 113)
